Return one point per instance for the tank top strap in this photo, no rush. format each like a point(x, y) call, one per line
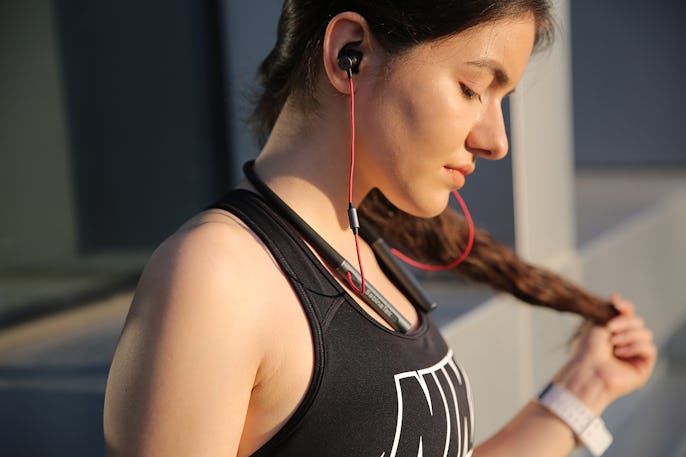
point(315, 287)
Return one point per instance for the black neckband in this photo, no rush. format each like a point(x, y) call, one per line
point(396, 271)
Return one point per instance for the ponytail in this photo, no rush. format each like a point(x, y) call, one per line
point(441, 239)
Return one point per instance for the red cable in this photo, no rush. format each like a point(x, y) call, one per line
point(350, 187)
point(400, 255)
point(352, 141)
point(456, 262)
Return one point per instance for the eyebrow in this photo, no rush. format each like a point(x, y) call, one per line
point(500, 75)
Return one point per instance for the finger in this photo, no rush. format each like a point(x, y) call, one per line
point(625, 307)
point(635, 335)
point(625, 322)
point(644, 351)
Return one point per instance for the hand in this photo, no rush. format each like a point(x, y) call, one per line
point(612, 360)
point(634, 352)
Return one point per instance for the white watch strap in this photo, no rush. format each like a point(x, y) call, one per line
point(589, 428)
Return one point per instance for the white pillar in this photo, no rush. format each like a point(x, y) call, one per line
point(543, 173)
point(542, 145)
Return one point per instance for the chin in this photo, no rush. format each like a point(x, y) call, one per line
point(426, 208)
point(423, 205)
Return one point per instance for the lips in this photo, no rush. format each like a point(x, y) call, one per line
point(465, 170)
point(457, 174)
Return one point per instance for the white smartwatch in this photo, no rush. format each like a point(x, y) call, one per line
point(588, 428)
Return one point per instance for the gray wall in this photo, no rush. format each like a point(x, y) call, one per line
point(145, 108)
point(249, 32)
point(112, 125)
point(628, 67)
point(37, 219)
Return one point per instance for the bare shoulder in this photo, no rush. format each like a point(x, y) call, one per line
point(212, 267)
point(193, 343)
point(212, 249)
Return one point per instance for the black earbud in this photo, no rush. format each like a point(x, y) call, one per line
point(349, 61)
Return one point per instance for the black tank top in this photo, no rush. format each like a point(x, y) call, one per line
point(374, 392)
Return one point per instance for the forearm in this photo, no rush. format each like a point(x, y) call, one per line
point(536, 431)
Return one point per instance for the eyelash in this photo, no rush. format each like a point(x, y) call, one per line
point(469, 93)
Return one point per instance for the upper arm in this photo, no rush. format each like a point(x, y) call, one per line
point(187, 359)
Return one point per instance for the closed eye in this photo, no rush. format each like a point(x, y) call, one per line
point(469, 93)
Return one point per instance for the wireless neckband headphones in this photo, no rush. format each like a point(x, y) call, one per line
point(349, 61)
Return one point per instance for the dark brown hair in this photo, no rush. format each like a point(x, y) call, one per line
point(443, 238)
point(292, 67)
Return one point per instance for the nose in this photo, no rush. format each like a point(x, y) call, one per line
point(488, 138)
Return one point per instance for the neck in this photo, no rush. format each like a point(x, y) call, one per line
point(306, 162)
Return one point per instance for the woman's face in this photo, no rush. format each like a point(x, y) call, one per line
point(424, 121)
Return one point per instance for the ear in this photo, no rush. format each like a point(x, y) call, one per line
point(349, 30)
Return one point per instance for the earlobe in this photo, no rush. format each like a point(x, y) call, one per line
point(346, 38)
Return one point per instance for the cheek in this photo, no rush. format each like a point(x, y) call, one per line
point(419, 119)
point(406, 135)
point(444, 119)
point(436, 117)
point(384, 127)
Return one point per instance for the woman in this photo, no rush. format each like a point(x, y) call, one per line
point(241, 342)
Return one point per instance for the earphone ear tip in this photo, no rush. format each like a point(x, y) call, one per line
point(349, 60)
point(344, 63)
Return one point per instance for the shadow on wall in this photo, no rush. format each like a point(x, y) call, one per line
point(53, 374)
point(44, 414)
